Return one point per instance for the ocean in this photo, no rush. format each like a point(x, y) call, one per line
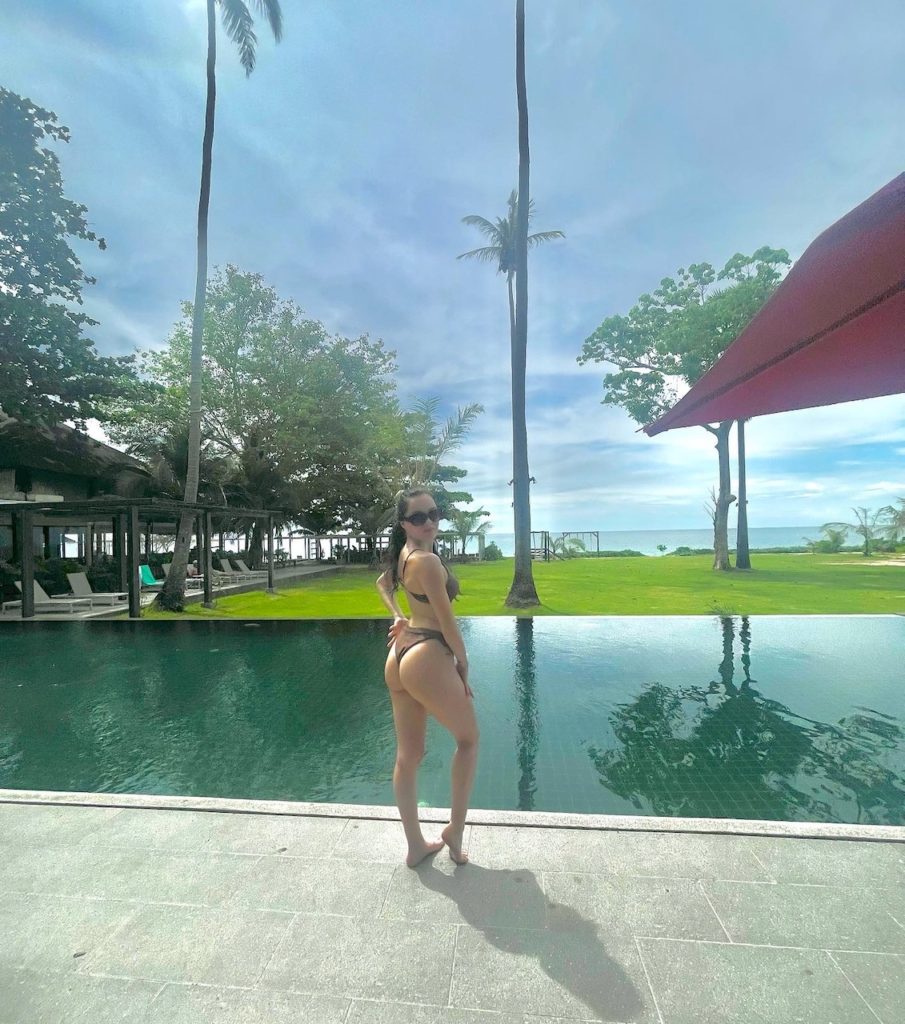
point(646, 541)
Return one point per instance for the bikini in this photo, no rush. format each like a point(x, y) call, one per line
point(411, 636)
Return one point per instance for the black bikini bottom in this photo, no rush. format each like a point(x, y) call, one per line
point(412, 637)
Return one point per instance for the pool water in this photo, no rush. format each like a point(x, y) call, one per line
point(789, 718)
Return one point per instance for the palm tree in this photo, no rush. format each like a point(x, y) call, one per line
point(501, 249)
point(869, 525)
point(465, 523)
point(513, 260)
point(239, 25)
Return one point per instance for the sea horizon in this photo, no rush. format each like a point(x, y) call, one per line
point(647, 541)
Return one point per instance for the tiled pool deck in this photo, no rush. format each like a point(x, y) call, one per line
point(178, 911)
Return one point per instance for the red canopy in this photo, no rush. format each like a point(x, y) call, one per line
point(833, 331)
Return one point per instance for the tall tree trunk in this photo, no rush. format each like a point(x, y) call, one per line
point(723, 499)
point(742, 553)
point(172, 596)
point(522, 593)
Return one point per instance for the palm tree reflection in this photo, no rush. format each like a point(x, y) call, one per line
point(528, 734)
point(725, 750)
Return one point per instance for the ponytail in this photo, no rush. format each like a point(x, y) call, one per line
point(397, 536)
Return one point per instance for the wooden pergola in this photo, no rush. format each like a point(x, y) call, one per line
point(128, 519)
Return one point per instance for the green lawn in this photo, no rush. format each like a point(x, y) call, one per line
point(779, 584)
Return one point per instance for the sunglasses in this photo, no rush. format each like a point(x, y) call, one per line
point(420, 518)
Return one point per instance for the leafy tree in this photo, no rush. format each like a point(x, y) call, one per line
point(673, 336)
point(465, 523)
point(870, 525)
point(293, 418)
point(895, 520)
point(49, 371)
point(239, 25)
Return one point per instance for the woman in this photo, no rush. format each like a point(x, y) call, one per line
point(426, 671)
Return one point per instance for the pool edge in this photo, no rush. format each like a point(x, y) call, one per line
point(477, 816)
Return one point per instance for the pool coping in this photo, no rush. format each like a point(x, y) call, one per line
point(476, 816)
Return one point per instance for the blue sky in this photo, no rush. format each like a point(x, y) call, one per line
point(661, 134)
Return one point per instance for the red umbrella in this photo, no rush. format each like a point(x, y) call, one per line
point(833, 331)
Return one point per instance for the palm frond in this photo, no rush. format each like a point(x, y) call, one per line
point(475, 220)
point(543, 236)
point(270, 9)
point(239, 26)
point(487, 254)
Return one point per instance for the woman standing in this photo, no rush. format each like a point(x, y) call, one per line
point(426, 671)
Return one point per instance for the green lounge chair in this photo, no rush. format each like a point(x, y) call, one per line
point(148, 582)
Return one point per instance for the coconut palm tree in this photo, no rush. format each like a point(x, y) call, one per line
point(501, 249)
point(869, 525)
point(238, 22)
point(512, 239)
point(465, 523)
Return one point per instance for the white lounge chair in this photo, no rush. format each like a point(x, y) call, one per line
point(58, 603)
point(235, 575)
point(82, 588)
point(251, 572)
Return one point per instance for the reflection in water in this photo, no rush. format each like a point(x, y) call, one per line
point(726, 750)
point(528, 726)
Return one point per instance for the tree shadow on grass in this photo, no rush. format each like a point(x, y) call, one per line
point(509, 909)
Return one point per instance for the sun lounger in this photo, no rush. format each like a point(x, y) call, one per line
point(82, 588)
point(244, 568)
point(227, 570)
point(59, 603)
point(148, 582)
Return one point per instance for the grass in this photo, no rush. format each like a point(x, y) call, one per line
point(779, 585)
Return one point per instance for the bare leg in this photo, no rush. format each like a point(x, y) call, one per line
point(410, 720)
point(428, 674)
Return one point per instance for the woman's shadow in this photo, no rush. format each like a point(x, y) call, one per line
point(512, 912)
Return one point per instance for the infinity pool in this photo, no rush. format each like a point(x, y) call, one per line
point(790, 718)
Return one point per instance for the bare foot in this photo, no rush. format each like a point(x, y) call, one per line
point(455, 845)
point(418, 854)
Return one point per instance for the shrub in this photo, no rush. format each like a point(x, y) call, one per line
point(492, 552)
point(683, 550)
point(625, 553)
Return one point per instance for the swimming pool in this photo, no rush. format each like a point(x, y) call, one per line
point(788, 718)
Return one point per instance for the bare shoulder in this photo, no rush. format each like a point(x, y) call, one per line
point(425, 563)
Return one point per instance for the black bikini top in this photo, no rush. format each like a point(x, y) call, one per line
point(452, 584)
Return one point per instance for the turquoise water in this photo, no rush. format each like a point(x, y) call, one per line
point(791, 718)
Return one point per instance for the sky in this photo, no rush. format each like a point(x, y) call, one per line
point(661, 134)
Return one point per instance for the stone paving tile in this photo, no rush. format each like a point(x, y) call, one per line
point(539, 849)
point(315, 886)
point(625, 906)
point(720, 983)
point(191, 944)
point(33, 824)
point(880, 978)
point(215, 832)
point(40, 997)
point(371, 1012)
point(148, 876)
point(668, 855)
point(46, 932)
point(831, 861)
point(383, 841)
point(438, 890)
point(820, 917)
point(192, 1004)
point(396, 960)
point(683, 855)
point(575, 973)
